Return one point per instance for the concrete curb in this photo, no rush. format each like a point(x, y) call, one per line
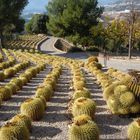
point(40, 43)
point(57, 48)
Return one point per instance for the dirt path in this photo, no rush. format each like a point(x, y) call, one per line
point(54, 125)
point(111, 127)
point(11, 107)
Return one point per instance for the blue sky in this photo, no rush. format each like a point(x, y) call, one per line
point(40, 4)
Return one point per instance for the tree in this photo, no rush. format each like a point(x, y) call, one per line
point(10, 11)
point(74, 19)
point(37, 24)
point(19, 25)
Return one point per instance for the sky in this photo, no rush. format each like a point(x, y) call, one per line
point(40, 4)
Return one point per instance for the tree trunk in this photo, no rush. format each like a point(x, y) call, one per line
point(1, 40)
point(130, 41)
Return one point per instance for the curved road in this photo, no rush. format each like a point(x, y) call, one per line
point(48, 47)
point(124, 65)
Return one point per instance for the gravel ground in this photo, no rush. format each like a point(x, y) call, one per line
point(54, 125)
point(112, 127)
point(11, 107)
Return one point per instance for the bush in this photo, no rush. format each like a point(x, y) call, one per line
point(92, 49)
point(75, 49)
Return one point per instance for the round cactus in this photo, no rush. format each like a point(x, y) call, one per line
point(81, 93)
point(50, 81)
point(32, 108)
point(79, 85)
point(127, 99)
point(24, 80)
point(120, 89)
point(28, 76)
point(135, 108)
point(134, 130)
point(44, 91)
point(123, 110)
point(12, 87)
point(97, 65)
point(83, 128)
point(42, 98)
point(17, 82)
point(21, 119)
point(2, 76)
point(5, 93)
point(13, 131)
point(92, 59)
point(33, 71)
point(0, 101)
point(110, 90)
point(9, 72)
point(113, 104)
point(83, 106)
point(111, 70)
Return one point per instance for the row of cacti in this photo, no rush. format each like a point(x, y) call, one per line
point(82, 108)
point(19, 127)
point(25, 43)
point(35, 107)
point(9, 62)
point(17, 83)
point(118, 95)
point(119, 98)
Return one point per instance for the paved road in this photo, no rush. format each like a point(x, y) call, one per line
point(123, 65)
point(48, 47)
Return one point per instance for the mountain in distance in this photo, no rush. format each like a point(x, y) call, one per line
point(122, 5)
point(34, 7)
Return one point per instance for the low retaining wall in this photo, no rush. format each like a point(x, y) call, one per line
point(40, 43)
point(62, 45)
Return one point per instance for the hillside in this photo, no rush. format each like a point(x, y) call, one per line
point(122, 5)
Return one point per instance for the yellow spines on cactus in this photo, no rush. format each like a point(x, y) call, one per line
point(18, 82)
point(2, 76)
point(45, 91)
point(127, 99)
point(135, 88)
point(14, 131)
point(9, 72)
point(12, 87)
point(110, 90)
point(134, 130)
point(81, 93)
point(84, 106)
point(113, 104)
point(5, 93)
point(32, 108)
point(120, 89)
point(83, 128)
point(21, 119)
point(42, 98)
